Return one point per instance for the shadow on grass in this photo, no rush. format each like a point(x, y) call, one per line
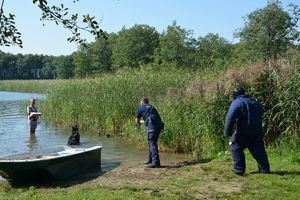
point(186, 163)
point(281, 173)
point(48, 181)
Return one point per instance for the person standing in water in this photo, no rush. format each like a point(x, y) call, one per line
point(32, 119)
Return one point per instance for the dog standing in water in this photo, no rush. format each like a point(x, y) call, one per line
point(74, 139)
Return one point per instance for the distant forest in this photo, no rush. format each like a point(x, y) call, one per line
point(269, 33)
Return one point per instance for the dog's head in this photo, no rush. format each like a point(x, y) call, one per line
point(74, 139)
point(75, 130)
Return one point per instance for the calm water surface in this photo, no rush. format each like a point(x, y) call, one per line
point(15, 137)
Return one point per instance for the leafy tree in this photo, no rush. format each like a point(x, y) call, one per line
point(92, 59)
point(135, 46)
point(64, 66)
point(23, 67)
point(7, 66)
point(212, 50)
point(26, 66)
point(268, 32)
point(101, 53)
point(294, 11)
point(9, 34)
point(48, 70)
point(29, 66)
point(176, 46)
point(82, 61)
point(35, 65)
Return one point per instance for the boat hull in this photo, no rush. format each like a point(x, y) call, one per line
point(58, 167)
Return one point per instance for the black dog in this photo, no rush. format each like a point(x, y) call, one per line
point(74, 139)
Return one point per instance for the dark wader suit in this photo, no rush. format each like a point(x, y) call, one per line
point(244, 125)
point(152, 123)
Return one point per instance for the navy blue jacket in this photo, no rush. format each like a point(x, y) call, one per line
point(244, 119)
point(150, 116)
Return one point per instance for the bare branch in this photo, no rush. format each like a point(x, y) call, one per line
point(1, 10)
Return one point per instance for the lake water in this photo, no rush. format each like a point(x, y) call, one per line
point(15, 137)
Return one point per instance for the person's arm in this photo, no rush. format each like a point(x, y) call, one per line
point(28, 110)
point(138, 120)
point(231, 118)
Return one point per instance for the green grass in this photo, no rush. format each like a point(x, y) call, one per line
point(39, 86)
point(283, 183)
point(195, 180)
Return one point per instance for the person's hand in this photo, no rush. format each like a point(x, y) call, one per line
point(138, 122)
point(230, 140)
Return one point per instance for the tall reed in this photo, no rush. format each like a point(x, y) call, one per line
point(109, 102)
point(194, 113)
point(39, 86)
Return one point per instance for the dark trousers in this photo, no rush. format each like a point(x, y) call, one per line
point(152, 138)
point(257, 150)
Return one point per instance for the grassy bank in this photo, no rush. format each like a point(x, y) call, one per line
point(185, 180)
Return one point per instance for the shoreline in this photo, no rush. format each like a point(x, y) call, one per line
point(203, 179)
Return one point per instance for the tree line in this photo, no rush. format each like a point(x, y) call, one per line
point(267, 34)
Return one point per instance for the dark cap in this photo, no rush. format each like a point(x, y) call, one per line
point(238, 90)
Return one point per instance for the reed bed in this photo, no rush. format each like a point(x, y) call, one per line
point(107, 104)
point(109, 101)
point(38, 86)
point(192, 104)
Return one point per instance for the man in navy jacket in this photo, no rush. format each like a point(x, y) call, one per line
point(153, 123)
point(244, 125)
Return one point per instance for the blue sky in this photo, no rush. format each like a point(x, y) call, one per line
point(202, 16)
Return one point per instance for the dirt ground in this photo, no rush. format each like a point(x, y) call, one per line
point(196, 179)
point(205, 179)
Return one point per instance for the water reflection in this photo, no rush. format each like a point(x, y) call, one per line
point(17, 96)
point(32, 142)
